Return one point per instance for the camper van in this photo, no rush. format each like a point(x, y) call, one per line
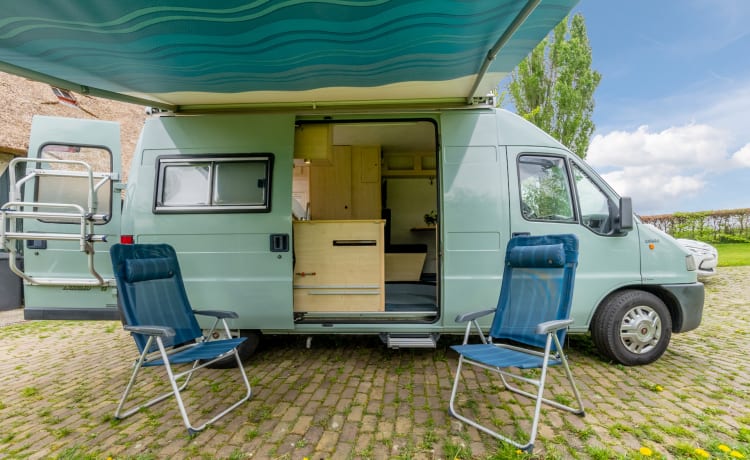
point(368, 195)
point(389, 224)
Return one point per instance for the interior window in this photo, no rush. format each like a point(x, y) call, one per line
point(213, 184)
point(69, 183)
point(545, 190)
point(594, 204)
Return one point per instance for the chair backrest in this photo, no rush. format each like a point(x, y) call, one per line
point(537, 286)
point(151, 293)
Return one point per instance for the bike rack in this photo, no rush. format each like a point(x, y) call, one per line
point(16, 210)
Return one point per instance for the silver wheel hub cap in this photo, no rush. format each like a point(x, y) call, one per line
point(640, 329)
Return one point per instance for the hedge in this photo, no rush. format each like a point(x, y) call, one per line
point(727, 226)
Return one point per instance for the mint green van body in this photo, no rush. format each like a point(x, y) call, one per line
point(320, 168)
point(482, 159)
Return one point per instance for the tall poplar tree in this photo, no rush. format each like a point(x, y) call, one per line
point(553, 87)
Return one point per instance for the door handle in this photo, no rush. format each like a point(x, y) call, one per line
point(279, 242)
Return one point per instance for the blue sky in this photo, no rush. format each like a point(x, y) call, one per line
point(673, 108)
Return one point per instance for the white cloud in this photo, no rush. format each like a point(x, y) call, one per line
point(689, 146)
point(661, 169)
point(741, 158)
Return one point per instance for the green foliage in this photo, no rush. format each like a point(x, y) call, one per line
point(548, 195)
point(554, 86)
point(726, 226)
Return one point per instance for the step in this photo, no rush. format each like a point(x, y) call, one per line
point(411, 340)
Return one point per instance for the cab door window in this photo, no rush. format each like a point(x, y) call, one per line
point(545, 189)
point(594, 204)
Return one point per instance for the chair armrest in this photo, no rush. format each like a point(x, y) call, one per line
point(160, 331)
point(550, 326)
point(471, 316)
point(221, 314)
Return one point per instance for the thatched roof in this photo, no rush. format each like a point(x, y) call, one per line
point(22, 99)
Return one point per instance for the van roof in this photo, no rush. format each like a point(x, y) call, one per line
point(187, 56)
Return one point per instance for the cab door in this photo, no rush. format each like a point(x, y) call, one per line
point(551, 192)
point(73, 165)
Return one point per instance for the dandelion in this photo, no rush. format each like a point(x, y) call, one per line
point(702, 453)
point(645, 451)
point(659, 388)
point(736, 454)
point(724, 448)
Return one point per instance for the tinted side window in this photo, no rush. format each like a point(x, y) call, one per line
point(214, 184)
point(545, 190)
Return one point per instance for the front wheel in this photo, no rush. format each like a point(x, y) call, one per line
point(632, 327)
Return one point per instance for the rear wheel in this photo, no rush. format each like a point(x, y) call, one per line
point(246, 350)
point(632, 327)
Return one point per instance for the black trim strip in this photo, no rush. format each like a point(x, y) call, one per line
point(72, 314)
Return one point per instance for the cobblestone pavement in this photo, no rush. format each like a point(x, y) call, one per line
point(353, 398)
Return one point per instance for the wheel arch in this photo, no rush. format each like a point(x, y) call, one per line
point(675, 312)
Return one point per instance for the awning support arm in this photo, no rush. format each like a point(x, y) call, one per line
point(520, 18)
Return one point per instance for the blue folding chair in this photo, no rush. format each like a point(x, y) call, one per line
point(155, 309)
point(530, 322)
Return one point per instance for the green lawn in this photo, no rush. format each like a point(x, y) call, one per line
point(733, 254)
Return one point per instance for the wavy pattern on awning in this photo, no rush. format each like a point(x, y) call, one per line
point(187, 52)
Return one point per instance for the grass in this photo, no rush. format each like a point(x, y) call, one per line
point(733, 254)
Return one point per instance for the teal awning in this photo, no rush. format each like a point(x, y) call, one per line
point(182, 54)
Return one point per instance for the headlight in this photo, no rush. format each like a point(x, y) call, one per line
point(690, 263)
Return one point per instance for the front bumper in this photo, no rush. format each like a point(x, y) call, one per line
point(689, 299)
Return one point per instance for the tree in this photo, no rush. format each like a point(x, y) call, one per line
point(553, 87)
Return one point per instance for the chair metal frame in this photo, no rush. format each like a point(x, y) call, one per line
point(201, 353)
point(497, 362)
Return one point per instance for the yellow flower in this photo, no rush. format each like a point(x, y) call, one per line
point(724, 448)
point(736, 454)
point(659, 388)
point(645, 451)
point(702, 453)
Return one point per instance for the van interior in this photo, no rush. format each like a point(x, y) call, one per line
point(365, 209)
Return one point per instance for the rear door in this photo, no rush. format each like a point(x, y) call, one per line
point(67, 288)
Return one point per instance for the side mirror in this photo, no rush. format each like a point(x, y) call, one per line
point(624, 220)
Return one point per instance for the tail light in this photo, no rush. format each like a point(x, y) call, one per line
point(127, 239)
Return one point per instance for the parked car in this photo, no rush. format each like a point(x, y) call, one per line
point(706, 256)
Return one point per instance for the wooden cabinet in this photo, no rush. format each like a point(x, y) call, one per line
point(413, 164)
point(339, 266)
point(331, 185)
point(349, 187)
point(313, 142)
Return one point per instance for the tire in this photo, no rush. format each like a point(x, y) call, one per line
point(632, 327)
point(246, 350)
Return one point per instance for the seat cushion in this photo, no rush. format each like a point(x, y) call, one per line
point(203, 350)
point(498, 356)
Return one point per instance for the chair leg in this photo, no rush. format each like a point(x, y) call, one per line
point(193, 430)
point(119, 414)
point(176, 389)
point(580, 411)
point(538, 397)
point(452, 409)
